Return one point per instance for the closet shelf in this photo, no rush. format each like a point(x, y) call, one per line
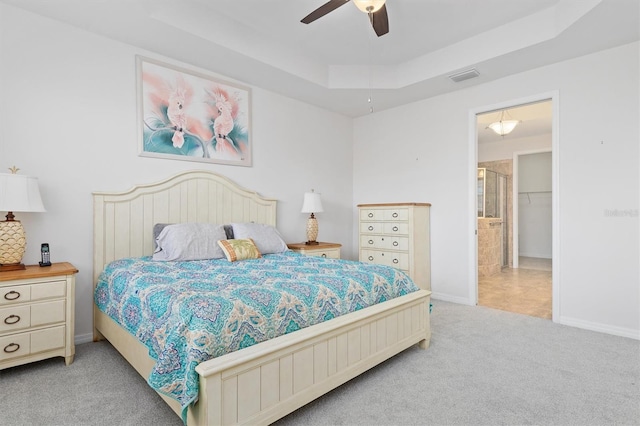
point(528, 194)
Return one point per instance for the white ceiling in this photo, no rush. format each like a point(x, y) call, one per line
point(336, 61)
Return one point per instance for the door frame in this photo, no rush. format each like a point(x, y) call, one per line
point(554, 97)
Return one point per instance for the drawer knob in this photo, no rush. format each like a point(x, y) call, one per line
point(395, 261)
point(371, 258)
point(370, 241)
point(12, 319)
point(370, 214)
point(323, 255)
point(370, 228)
point(395, 244)
point(12, 295)
point(395, 228)
point(11, 347)
point(395, 214)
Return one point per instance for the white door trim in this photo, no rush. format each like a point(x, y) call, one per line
point(554, 96)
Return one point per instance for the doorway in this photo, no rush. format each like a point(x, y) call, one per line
point(514, 238)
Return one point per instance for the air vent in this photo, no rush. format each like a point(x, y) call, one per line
point(464, 75)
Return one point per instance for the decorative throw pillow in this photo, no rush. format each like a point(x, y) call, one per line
point(189, 241)
point(239, 249)
point(266, 237)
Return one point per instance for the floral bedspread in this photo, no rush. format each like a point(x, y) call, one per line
point(189, 312)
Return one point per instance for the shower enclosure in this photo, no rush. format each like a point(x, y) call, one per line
point(492, 204)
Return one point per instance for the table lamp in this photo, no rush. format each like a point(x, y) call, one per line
point(18, 193)
point(312, 204)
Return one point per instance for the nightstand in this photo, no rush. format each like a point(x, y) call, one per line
point(37, 314)
point(331, 250)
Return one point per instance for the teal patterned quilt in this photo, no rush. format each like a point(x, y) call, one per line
point(189, 312)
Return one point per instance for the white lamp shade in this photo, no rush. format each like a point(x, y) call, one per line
point(19, 193)
point(311, 203)
point(369, 6)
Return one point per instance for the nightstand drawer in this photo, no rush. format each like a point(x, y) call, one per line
point(47, 339)
point(328, 250)
point(15, 318)
point(48, 290)
point(332, 253)
point(27, 293)
point(34, 315)
point(17, 294)
point(14, 346)
point(18, 345)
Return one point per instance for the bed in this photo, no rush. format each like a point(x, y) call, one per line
point(266, 381)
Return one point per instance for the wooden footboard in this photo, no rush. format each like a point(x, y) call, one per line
point(267, 381)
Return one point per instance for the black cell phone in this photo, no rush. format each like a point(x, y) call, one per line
point(46, 256)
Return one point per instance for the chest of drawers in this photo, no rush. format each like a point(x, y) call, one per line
point(37, 314)
point(397, 235)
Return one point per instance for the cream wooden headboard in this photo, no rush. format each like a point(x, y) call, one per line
point(123, 221)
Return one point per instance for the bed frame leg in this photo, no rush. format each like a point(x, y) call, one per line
point(424, 344)
point(97, 336)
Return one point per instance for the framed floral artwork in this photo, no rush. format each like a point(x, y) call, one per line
point(185, 115)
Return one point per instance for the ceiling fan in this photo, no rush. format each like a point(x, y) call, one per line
point(376, 10)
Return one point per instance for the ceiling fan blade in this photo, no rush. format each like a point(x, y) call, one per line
point(380, 21)
point(330, 6)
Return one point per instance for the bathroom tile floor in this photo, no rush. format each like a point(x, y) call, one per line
point(526, 290)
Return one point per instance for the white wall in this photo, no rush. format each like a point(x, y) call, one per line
point(534, 205)
point(68, 116)
point(421, 152)
point(504, 149)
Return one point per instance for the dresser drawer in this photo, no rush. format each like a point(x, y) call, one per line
point(396, 259)
point(371, 228)
point(17, 345)
point(395, 228)
point(390, 228)
point(384, 242)
point(32, 292)
point(34, 315)
point(384, 214)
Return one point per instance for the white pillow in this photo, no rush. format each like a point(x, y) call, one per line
point(190, 241)
point(266, 237)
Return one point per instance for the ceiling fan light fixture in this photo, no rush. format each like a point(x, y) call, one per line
point(502, 126)
point(369, 6)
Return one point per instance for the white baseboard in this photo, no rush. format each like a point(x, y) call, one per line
point(83, 338)
point(452, 299)
point(536, 255)
point(602, 328)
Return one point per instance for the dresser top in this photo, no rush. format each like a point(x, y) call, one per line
point(37, 271)
point(393, 204)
